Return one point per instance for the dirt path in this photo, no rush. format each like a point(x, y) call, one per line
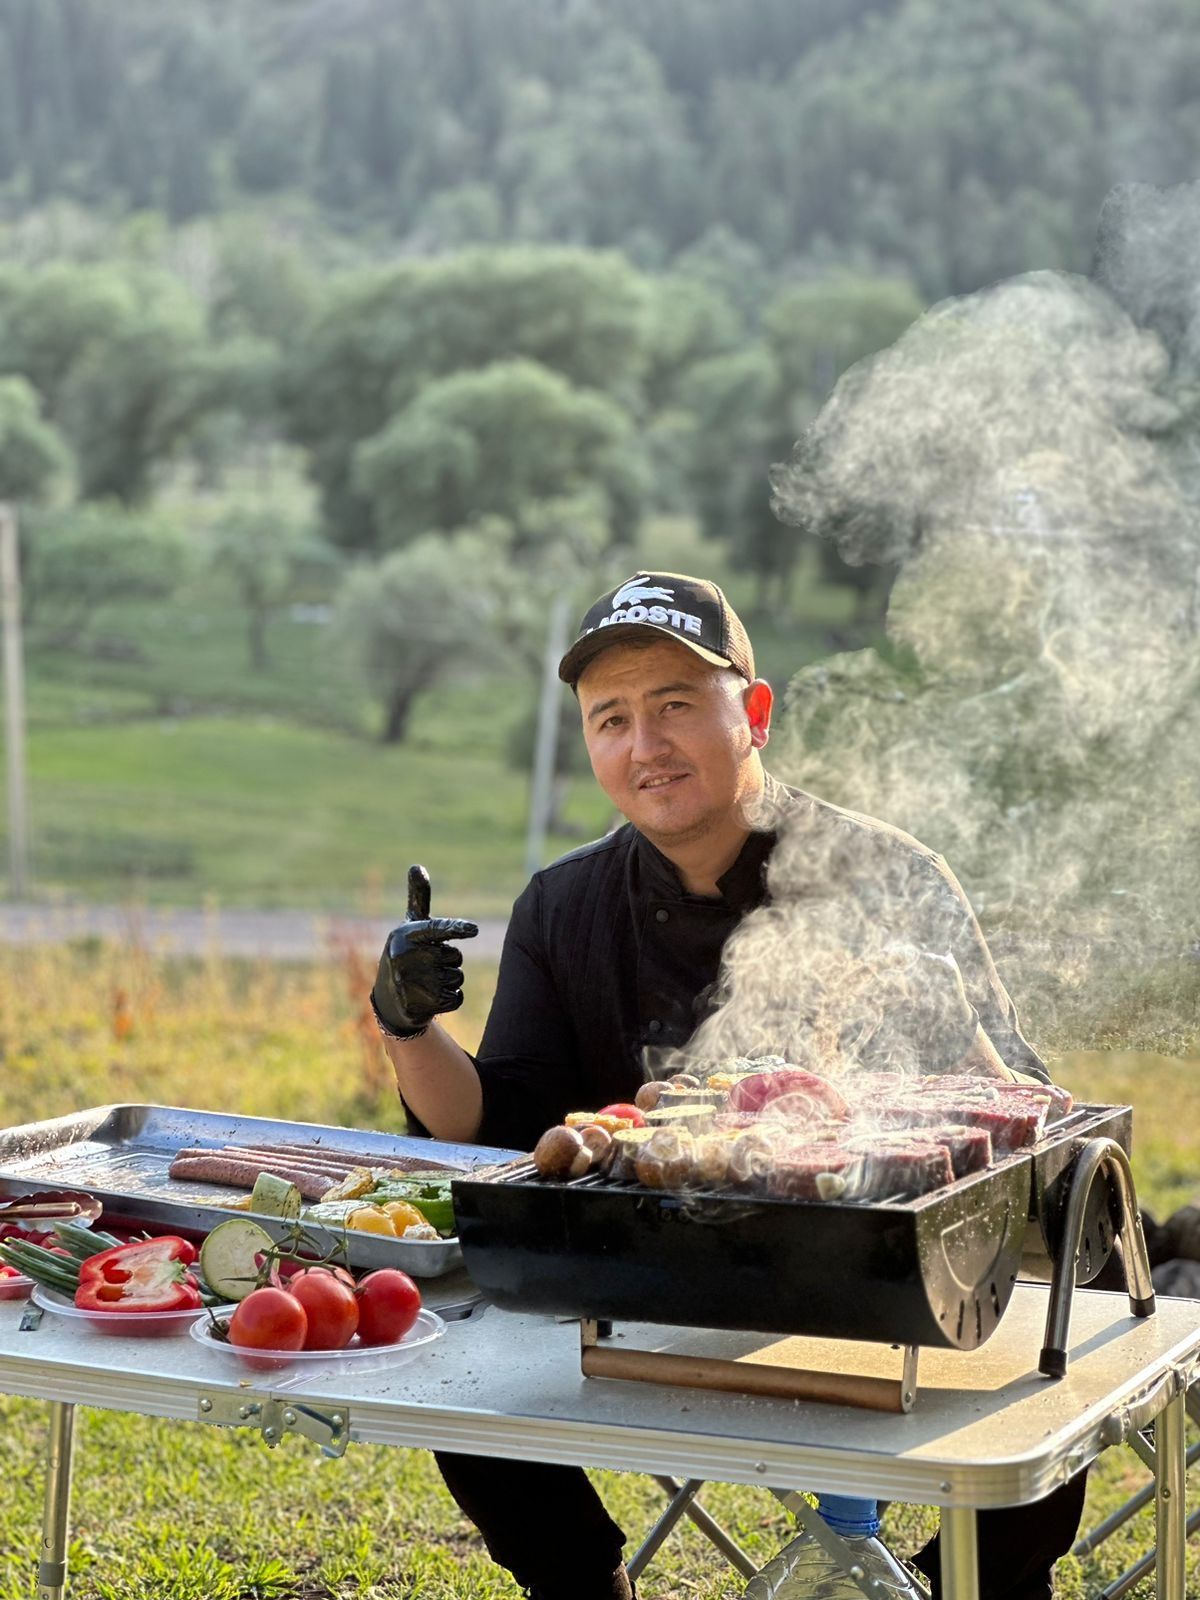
point(271, 935)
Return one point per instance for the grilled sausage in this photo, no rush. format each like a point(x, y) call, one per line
point(216, 1168)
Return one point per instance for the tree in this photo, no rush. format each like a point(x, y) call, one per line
point(84, 557)
point(422, 614)
point(339, 151)
point(733, 400)
point(270, 147)
point(138, 139)
point(54, 318)
point(190, 186)
point(384, 335)
point(467, 214)
point(265, 285)
point(48, 85)
point(498, 441)
point(11, 143)
point(257, 545)
point(33, 455)
point(134, 399)
point(819, 328)
point(591, 162)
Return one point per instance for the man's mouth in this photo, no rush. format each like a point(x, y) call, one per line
point(662, 782)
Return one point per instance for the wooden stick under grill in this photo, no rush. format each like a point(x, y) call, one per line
point(741, 1377)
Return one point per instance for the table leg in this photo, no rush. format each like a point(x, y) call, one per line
point(56, 1510)
point(960, 1554)
point(1170, 1430)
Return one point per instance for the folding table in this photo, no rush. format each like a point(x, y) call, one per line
point(986, 1429)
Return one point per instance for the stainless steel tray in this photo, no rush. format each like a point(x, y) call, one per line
point(121, 1153)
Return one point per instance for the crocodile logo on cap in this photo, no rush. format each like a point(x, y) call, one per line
point(636, 591)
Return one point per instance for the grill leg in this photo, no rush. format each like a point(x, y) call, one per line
point(56, 1510)
point(960, 1554)
point(1096, 1155)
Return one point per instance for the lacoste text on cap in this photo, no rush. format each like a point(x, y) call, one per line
point(691, 611)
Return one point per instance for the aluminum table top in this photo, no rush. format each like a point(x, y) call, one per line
point(986, 1430)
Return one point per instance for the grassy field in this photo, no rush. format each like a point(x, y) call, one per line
point(180, 1512)
point(161, 766)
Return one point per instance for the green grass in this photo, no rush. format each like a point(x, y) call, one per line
point(229, 1520)
point(164, 768)
point(261, 812)
point(172, 1511)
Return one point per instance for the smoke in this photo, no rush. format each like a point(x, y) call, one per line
point(861, 959)
point(1030, 457)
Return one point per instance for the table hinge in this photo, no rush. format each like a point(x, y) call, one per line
point(274, 1418)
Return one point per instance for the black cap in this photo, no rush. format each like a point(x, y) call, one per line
point(691, 611)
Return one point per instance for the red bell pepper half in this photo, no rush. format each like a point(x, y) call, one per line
point(145, 1275)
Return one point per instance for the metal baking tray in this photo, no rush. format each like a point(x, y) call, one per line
point(121, 1154)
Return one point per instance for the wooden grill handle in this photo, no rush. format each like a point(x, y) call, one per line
point(737, 1377)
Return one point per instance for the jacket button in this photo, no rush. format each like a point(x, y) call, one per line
point(662, 916)
point(654, 1027)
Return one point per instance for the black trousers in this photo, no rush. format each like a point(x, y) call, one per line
point(1018, 1545)
point(547, 1525)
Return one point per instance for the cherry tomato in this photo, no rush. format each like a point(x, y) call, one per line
point(626, 1111)
point(9, 1272)
point(388, 1302)
point(282, 1274)
point(329, 1305)
point(269, 1319)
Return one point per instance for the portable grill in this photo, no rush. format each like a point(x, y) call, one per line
point(937, 1271)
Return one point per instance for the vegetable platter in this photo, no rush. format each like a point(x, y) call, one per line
point(268, 1305)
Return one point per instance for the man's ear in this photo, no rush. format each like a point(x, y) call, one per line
point(758, 701)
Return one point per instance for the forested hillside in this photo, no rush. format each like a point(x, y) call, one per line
point(949, 141)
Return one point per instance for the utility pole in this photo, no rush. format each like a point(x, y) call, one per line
point(14, 704)
point(542, 787)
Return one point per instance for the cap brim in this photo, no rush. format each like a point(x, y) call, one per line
point(583, 650)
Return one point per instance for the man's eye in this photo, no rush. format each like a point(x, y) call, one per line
point(611, 722)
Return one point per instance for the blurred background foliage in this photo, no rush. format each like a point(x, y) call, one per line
point(336, 340)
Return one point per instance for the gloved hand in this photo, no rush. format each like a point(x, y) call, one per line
point(420, 974)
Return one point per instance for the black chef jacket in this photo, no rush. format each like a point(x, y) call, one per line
point(606, 954)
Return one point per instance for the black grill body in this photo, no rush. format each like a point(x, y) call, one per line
point(937, 1271)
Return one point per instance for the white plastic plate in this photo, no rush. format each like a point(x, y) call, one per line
point(355, 1357)
point(127, 1324)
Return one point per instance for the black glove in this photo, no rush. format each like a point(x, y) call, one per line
point(420, 975)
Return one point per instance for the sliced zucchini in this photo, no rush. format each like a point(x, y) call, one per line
point(231, 1255)
point(273, 1196)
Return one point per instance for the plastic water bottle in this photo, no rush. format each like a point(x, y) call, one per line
point(803, 1570)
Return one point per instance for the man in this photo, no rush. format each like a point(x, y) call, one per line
point(613, 955)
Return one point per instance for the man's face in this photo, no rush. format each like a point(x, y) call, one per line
point(671, 738)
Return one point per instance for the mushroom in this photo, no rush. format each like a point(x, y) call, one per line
point(562, 1153)
point(649, 1095)
point(599, 1142)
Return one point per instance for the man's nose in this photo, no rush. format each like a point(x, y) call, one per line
point(649, 740)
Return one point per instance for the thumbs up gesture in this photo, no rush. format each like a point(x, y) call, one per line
point(420, 971)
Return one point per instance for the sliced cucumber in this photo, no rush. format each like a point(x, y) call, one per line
point(275, 1197)
point(229, 1257)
